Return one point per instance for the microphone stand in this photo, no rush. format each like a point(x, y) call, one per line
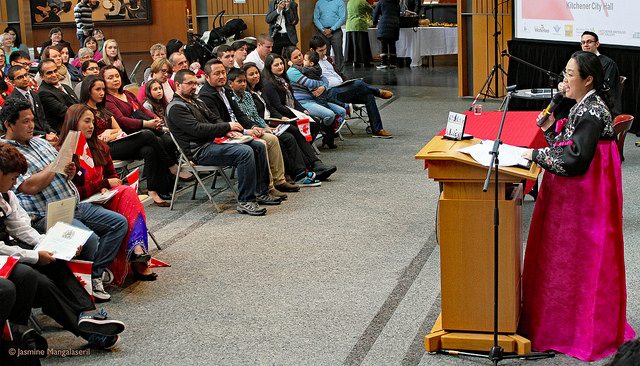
point(497, 353)
point(553, 77)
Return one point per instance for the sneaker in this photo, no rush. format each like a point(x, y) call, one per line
point(251, 208)
point(107, 277)
point(382, 67)
point(385, 94)
point(103, 342)
point(99, 294)
point(382, 134)
point(308, 180)
point(267, 199)
point(95, 321)
point(340, 123)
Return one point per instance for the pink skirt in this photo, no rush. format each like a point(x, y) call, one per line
point(574, 292)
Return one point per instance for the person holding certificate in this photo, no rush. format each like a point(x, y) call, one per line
point(101, 179)
point(41, 280)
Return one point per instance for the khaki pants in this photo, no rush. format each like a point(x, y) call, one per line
point(276, 163)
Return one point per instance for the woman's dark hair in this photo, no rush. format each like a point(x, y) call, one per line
point(259, 86)
point(589, 65)
point(18, 40)
point(287, 51)
point(104, 69)
point(11, 160)
point(55, 30)
point(159, 107)
point(3, 85)
point(88, 39)
point(87, 64)
point(85, 95)
point(99, 150)
point(268, 75)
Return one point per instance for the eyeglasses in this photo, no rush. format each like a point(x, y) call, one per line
point(588, 41)
point(23, 76)
point(565, 75)
point(165, 71)
point(23, 64)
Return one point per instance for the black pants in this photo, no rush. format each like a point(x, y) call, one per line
point(152, 149)
point(280, 41)
point(17, 294)
point(61, 295)
point(388, 46)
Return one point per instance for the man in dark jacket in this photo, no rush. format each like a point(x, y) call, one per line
point(56, 97)
point(20, 80)
point(195, 127)
point(282, 17)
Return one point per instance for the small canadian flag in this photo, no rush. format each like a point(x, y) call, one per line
point(82, 271)
point(305, 128)
point(133, 178)
point(82, 150)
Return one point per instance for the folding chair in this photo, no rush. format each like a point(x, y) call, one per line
point(132, 76)
point(359, 111)
point(185, 165)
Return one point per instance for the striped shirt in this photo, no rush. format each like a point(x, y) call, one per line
point(83, 14)
point(39, 154)
point(302, 86)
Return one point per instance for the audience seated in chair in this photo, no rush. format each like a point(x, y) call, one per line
point(88, 68)
point(101, 178)
point(22, 58)
point(157, 51)
point(41, 185)
point(111, 56)
point(56, 97)
point(161, 70)
point(39, 279)
point(194, 127)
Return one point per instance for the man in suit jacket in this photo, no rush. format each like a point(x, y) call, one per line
point(282, 16)
point(56, 97)
point(19, 77)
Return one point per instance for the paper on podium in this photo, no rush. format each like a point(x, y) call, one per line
point(509, 155)
point(63, 240)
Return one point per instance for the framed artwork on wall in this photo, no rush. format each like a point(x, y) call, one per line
point(56, 13)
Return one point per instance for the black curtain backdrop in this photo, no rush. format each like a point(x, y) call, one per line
point(553, 56)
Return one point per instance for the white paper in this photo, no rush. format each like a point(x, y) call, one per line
point(280, 129)
point(63, 240)
point(62, 210)
point(100, 198)
point(509, 155)
point(65, 155)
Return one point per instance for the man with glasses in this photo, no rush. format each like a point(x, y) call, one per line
point(196, 127)
point(589, 42)
point(19, 78)
point(56, 97)
point(22, 58)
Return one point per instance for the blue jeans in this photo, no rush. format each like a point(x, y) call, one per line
point(327, 115)
point(109, 230)
point(251, 162)
point(360, 92)
point(110, 226)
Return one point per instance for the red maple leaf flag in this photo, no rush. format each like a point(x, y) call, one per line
point(82, 271)
point(305, 128)
point(82, 150)
point(133, 178)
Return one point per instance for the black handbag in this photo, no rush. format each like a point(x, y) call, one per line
point(409, 21)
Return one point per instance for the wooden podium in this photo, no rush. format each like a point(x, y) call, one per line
point(466, 231)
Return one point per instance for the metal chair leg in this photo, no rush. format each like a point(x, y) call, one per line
point(153, 238)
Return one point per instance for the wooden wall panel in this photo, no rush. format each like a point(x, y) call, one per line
point(169, 21)
point(479, 49)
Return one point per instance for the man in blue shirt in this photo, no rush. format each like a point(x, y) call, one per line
point(328, 17)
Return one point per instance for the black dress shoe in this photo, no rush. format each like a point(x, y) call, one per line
point(323, 171)
point(144, 277)
point(165, 196)
point(143, 258)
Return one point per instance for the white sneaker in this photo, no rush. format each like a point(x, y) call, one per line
point(99, 294)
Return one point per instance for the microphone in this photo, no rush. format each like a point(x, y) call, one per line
point(550, 108)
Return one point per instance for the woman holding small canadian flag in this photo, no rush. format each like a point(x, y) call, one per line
point(96, 174)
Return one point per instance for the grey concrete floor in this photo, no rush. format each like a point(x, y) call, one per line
point(346, 273)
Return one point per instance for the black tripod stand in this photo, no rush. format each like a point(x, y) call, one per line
point(497, 70)
point(497, 353)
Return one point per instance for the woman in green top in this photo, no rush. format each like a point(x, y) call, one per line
point(357, 48)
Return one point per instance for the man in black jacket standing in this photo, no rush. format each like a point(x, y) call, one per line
point(56, 97)
point(195, 127)
point(282, 17)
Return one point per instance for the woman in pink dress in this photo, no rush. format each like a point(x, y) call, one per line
point(574, 292)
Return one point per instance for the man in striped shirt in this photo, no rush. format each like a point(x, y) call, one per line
point(84, 21)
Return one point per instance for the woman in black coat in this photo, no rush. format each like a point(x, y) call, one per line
point(386, 16)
